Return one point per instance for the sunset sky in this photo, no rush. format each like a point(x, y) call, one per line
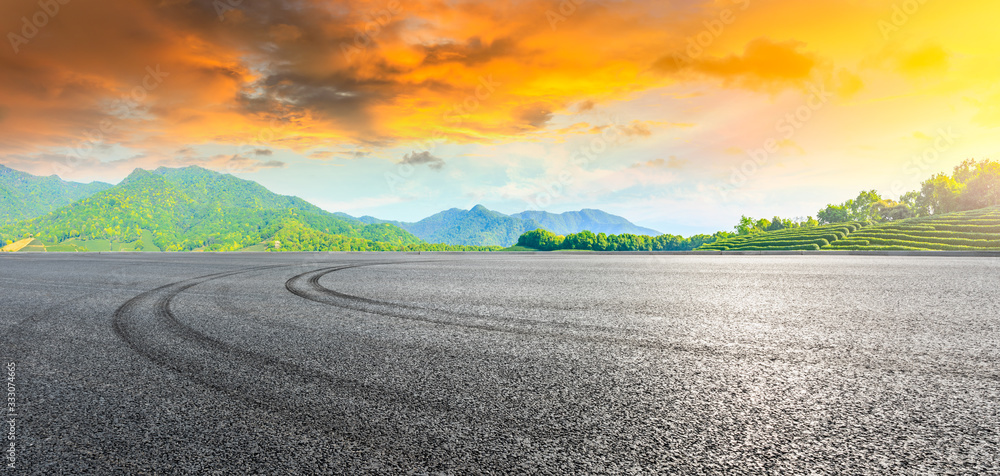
point(679, 115)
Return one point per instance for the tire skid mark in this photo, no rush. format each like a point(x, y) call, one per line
point(148, 326)
point(307, 285)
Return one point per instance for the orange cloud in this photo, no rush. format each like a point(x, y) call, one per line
point(763, 64)
point(304, 74)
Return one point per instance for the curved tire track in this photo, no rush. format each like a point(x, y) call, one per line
point(148, 326)
point(307, 285)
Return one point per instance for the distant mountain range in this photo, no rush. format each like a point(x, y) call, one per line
point(193, 208)
point(482, 226)
point(24, 196)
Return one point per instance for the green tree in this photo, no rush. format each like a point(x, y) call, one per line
point(983, 188)
point(834, 214)
point(940, 194)
point(778, 223)
point(967, 170)
point(602, 242)
point(891, 210)
point(912, 200)
point(747, 226)
point(540, 240)
point(585, 240)
point(862, 207)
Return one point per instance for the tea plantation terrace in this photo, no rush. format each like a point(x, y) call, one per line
point(971, 230)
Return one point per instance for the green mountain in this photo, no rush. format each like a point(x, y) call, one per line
point(478, 226)
point(24, 196)
point(589, 219)
point(485, 227)
point(194, 208)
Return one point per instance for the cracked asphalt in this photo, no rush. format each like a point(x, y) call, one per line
point(452, 363)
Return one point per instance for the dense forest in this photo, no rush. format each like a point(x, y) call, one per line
point(547, 241)
point(294, 236)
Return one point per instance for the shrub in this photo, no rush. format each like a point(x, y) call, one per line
point(968, 228)
point(776, 243)
point(809, 247)
point(958, 241)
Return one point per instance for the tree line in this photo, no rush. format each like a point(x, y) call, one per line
point(544, 240)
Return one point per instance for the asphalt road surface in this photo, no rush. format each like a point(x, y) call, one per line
point(497, 363)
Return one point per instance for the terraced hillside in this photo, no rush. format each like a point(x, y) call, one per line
point(969, 231)
point(810, 238)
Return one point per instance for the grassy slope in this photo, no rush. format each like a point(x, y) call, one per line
point(969, 230)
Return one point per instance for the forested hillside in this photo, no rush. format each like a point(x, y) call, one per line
point(194, 208)
point(478, 226)
point(24, 196)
